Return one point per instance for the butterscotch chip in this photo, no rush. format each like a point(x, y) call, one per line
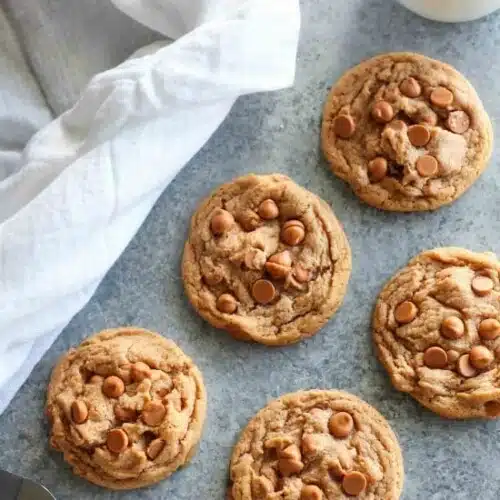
point(441, 97)
point(222, 221)
point(277, 271)
point(289, 466)
point(354, 483)
point(154, 413)
point(290, 460)
point(439, 358)
point(155, 448)
point(377, 169)
point(429, 121)
point(268, 209)
point(344, 126)
point(226, 303)
point(458, 122)
point(117, 440)
point(382, 112)
point(113, 386)
point(113, 448)
point(482, 285)
point(263, 291)
point(489, 329)
point(419, 135)
point(96, 379)
point(465, 367)
point(125, 414)
point(427, 166)
point(340, 424)
point(271, 443)
point(405, 312)
point(279, 264)
point(305, 245)
point(410, 87)
point(311, 492)
point(293, 232)
point(213, 279)
point(452, 327)
point(283, 258)
point(435, 357)
point(140, 371)
point(492, 409)
point(480, 357)
point(301, 274)
point(293, 222)
point(79, 412)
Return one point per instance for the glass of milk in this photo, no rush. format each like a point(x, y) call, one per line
point(452, 11)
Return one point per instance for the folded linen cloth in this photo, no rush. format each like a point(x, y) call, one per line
point(71, 202)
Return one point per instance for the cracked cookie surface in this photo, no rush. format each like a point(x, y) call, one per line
point(126, 408)
point(406, 132)
point(266, 260)
point(436, 327)
point(317, 445)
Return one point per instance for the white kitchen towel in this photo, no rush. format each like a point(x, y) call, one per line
point(86, 181)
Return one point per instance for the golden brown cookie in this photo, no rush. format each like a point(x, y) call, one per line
point(406, 132)
point(317, 445)
point(126, 408)
point(436, 327)
point(266, 260)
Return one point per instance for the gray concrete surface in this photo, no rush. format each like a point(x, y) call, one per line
point(280, 132)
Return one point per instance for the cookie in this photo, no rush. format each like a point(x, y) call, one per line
point(317, 445)
point(266, 260)
point(407, 132)
point(436, 327)
point(126, 408)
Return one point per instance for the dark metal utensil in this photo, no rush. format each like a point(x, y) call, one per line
point(14, 487)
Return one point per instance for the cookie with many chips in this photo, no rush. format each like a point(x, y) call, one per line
point(266, 260)
point(436, 328)
point(406, 132)
point(317, 445)
point(126, 408)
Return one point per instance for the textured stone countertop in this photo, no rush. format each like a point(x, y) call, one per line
point(279, 132)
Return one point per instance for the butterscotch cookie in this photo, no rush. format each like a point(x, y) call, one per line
point(317, 445)
point(266, 260)
point(437, 331)
point(126, 408)
point(406, 132)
